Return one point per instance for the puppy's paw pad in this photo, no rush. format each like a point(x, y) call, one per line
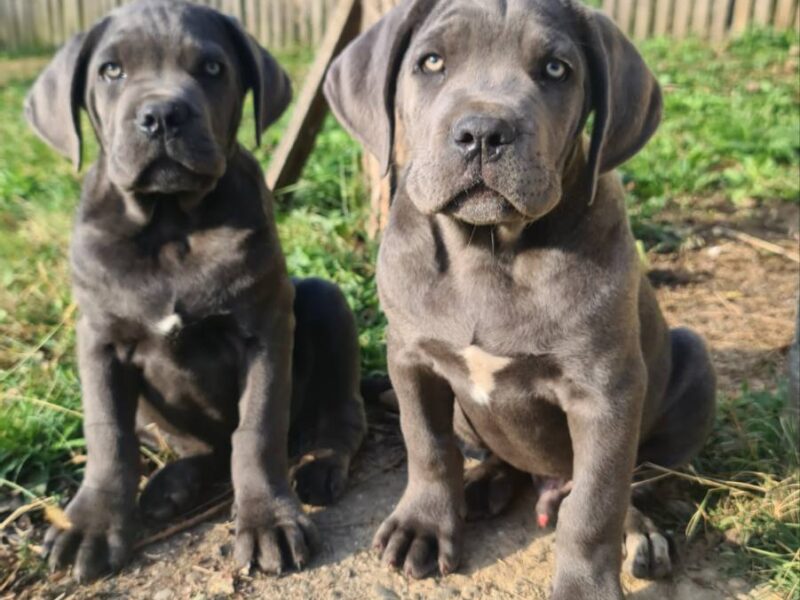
point(320, 478)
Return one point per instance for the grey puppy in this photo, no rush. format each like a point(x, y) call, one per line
point(519, 317)
point(188, 317)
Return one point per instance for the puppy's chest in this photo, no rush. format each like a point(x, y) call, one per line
point(494, 380)
point(160, 288)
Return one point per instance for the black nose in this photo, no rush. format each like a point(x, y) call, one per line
point(483, 136)
point(164, 116)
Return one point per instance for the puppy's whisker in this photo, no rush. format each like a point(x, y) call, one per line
point(471, 235)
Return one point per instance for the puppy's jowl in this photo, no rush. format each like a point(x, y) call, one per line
point(519, 317)
point(188, 318)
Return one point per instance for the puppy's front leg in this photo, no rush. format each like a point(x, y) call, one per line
point(98, 538)
point(604, 427)
point(426, 526)
point(268, 514)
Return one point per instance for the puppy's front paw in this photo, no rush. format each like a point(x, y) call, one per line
point(320, 477)
point(423, 532)
point(273, 534)
point(98, 536)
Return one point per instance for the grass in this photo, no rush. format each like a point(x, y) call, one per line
point(731, 132)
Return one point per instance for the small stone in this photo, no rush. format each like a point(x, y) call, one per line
point(737, 584)
point(221, 585)
point(384, 593)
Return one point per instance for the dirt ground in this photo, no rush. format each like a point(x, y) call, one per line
point(742, 299)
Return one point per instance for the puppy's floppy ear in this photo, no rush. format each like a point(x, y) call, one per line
point(361, 83)
point(261, 73)
point(626, 97)
point(52, 107)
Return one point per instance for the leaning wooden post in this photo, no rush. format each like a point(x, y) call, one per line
point(378, 187)
point(297, 143)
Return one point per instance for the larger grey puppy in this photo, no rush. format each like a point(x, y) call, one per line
point(519, 316)
point(188, 318)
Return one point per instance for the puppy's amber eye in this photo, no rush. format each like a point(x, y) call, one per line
point(212, 68)
point(111, 71)
point(556, 70)
point(432, 63)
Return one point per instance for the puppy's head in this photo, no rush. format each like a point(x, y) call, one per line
point(163, 83)
point(488, 100)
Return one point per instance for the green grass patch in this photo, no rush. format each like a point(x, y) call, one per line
point(731, 131)
point(755, 451)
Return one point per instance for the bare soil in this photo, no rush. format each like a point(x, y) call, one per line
point(742, 299)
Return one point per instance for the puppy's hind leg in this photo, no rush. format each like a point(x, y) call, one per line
point(179, 486)
point(689, 405)
point(183, 484)
point(676, 437)
point(491, 485)
point(328, 422)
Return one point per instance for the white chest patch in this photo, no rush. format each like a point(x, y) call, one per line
point(482, 368)
point(169, 325)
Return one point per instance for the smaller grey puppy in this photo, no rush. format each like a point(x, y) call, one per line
point(519, 317)
point(188, 317)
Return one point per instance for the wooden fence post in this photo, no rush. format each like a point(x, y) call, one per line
point(298, 140)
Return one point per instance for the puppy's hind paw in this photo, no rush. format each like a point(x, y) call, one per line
point(647, 556)
point(320, 477)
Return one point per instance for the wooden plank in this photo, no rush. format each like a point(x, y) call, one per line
point(40, 30)
point(371, 12)
point(644, 17)
point(662, 18)
point(25, 12)
point(264, 30)
point(317, 22)
point(380, 195)
point(57, 21)
point(276, 34)
point(5, 26)
point(252, 23)
point(233, 8)
point(680, 21)
point(297, 142)
point(72, 18)
point(609, 7)
point(289, 23)
point(719, 19)
point(742, 10)
point(92, 11)
point(624, 14)
point(701, 24)
point(303, 24)
point(784, 11)
point(762, 12)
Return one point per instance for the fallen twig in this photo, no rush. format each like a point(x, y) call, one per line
point(755, 242)
point(184, 525)
point(711, 482)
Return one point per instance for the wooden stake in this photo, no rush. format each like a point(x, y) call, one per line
point(297, 142)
